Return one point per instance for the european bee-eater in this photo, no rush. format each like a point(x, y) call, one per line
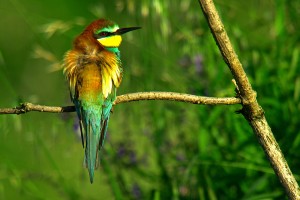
point(94, 71)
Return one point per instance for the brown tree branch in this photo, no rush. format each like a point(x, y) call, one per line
point(252, 111)
point(171, 96)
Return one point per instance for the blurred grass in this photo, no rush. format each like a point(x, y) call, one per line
point(154, 150)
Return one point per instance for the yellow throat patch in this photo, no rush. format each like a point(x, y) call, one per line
point(112, 41)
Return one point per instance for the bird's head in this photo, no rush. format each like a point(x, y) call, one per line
point(101, 34)
point(109, 35)
point(104, 32)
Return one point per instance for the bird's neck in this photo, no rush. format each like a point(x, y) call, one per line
point(91, 46)
point(113, 50)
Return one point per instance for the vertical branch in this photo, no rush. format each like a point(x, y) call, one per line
point(251, 109)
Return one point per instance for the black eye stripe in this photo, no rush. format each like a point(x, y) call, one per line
point(103, 34)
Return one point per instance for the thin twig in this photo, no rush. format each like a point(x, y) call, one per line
point(252, 111)
point(171, 96)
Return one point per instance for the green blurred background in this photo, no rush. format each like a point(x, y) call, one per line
point(154, 149)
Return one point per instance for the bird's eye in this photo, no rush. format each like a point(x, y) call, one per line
point(103, 34)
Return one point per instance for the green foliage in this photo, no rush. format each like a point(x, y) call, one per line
point(155, 149)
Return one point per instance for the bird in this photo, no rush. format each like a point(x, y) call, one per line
point(93, 70)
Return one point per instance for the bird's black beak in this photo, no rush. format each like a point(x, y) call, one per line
point(121, 31)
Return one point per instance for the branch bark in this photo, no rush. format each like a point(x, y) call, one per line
point(171, 96)
point(251, 110)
